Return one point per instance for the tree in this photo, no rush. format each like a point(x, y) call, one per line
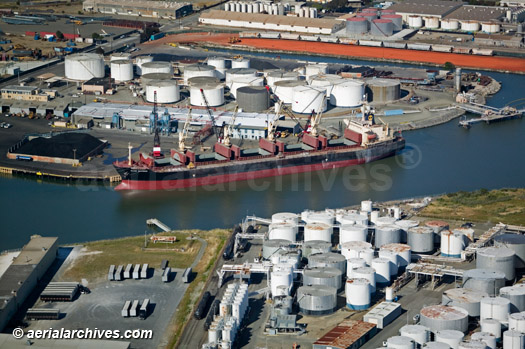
point(99, 50)
point(449, 66)
point(95, 36)
point(59, 35)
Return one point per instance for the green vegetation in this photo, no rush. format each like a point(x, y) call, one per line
point(59, 35)
point(96, 36)
point(449, 66)
point(503, 205)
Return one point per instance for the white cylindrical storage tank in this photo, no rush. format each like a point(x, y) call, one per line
point(517, 322)
point(404, 224)
point(420, 334)
point(485, 337)
point(280, 75)
point(436, 345)
point(491, 326)
point(368, 273)
point(139, 61)
point(317, 299)
point(167, 91)
point(240, 63)
point(354, 263)
point(154, 77)
point(84, 66)
point(351, 249)
point(472, 345)
point(334, 260)
point(307, 99)
point(318, 231)
point(385, 220)
point(397, 21)
point(389, 294)
point(285, 217)
point(516, 296)
point(495, 308)
point(437, 226)
point(217, 62)
point(415, 22)
point(394, 262)
point(515, 242)
point(403, 252)
point(431, 22)
point(450, 337)
point(326, 276)
point(374, 216)
point(353, 218)
point(280, 278)
point(421, 239)
point(348, 93)
point(452, 243)
point(326, 82)
point(356, 25)
point(235, 73)
point(513, 340)
point(387, 234)
point(382, 268)
point(352, 233)
point(214, 94)
point(400, 342)
point(315, 247)
point(196, 70)
point(357, 294)
point(367, 205)
point(442, 317)
point(470, 26)
point(237, 7)
point(249, 8)
point(449, 24)
point(464, 298)
point(118, 56)
point(497, 258)
point(283, 230)
point(284, 89)
point(313, 12)
point(157, 67)
point(121, 70)
point(270, 247)
point(381, 27)
point(314, 69)
point(484, 280)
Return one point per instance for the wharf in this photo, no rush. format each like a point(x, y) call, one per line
point(488, 114)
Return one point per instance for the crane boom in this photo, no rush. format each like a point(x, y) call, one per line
point(316, 120)
point(184, 132)
point(228, 132)
point(210, 115)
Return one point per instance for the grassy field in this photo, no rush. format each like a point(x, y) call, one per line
point(502, 205)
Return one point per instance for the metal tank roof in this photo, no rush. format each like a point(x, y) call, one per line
point(240, 71)
point(436, 345)
point(495, 252)
point(465, 295)
point(317, 290)
point(156, 76)
point(323, 272)
point(329, 257)
point(400, 340)
point(277, 243)
point(197, 80)
point(443, 312)
point(485, 274)
point(193, 67)
point(382, 82)
point(437, 223)
point(290, 83)
point(156, 64)
point(396, 247)
point(511, 239)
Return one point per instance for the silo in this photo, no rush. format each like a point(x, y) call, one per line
point(317, 231)
point(369, 16)
point(284, 89)
point(394, 262)
point(139, 61)
point(317, 299)
point(420, 334)
point(356, 25)
point(515, 242)
point(283, 230)
point(368, 273)
point(167, 91)
point(404, 253)
point(121, 70)
point(484, 337)
point(431, 22)
point(472, 345)
point(234, 73)
point(357, 294)
point(415, 22)
point(349, 232)
point(497, 258)
point(316, 246)
point(497, 308)
point(348, 93)
point(214, 94)
point(356, 218)
point(270, 247)
point(491, 326)
point(436, 345)
point(154, 77)
point(281, 278)
point(421, 239)
point(452, 243)
point(243, 81)
point(484, 280)
point(465, 298)
point(330, 259)
point(352, 264)
point(194, 70)
point(288, 217)
point(326, 276)
point(382, 268)
point(157, 67)
point(517, 322)
point(449, 337)
point(381, 27)
point(516, 296)
point(387, 234)
point(397, 20)
point(383, 90)
point(280, 75)
point(442, 317)
point(253, 98)
point(350, 249)
point(400, 342)
point(315, 69)
point(84, 66)
point(241, 63)
point(307, 99)
point(513, 340)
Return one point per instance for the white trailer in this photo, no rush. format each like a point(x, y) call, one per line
point(127, 272)
point(118, 273)
point(111, 273)
point(144, 271)
point(166, 274)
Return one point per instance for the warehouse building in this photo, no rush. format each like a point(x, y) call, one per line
point(21, 277)
point(141, 8)
point(25, 93)
point(423, 8)
point(499, 40)
point(268, 22)
point(477, 13)
point(349, 334)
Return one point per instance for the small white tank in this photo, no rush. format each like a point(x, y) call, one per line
point(358, 294)
point(352, 233)
point(382, 267)
point(491, 326)
point(354, 263)
point(513, 340)
point(394, 262)
point(495, 308)
point(283, 230)
point(400, 342)
point(450, 337)
point(367, 206)
point(314, 69)
point(351, 249)
point(452, 243)
point(307, 99)
point(517, 321)
point(318, 231)
point(419, 334)
point(485, 337)
point(214, 94)
point(282, 217)
point(366, 273)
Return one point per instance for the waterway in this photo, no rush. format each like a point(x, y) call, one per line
point(437, 160)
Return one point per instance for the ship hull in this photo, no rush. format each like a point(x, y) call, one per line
point(134, 178)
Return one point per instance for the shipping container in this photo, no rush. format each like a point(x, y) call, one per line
point(136, 271)
point(144, 308)
point(166, 275)
point(201, 307)
point(156, 36)
point(125, 310)
point(134, 310)
point(186, 276)
point(111, 273)
point(144, 271)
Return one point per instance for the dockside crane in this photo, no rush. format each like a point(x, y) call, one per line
point(315, 120)
point(228, 131)
point(183, 134)
point(214, 128)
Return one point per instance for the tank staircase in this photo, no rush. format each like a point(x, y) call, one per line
point(159, 224)
point(488, 114)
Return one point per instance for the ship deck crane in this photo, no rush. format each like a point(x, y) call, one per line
point(214, 127)
point(287, 111)
point(184, 132)
point(315, 120)
point(272, 126)
point(228, 131)
point(156, 139)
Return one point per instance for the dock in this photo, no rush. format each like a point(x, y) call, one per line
point(159, 224)
point(488, 114)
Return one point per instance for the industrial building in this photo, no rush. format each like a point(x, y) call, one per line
point(349, 334)
point(97, 86)
point(436, 8)
point(269, 22)
point(24, 93)
point(21, 277)
point(156, 9)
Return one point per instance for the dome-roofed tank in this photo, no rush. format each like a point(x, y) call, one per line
point(497, 258)
point(516, 295)
point(317, 299)
point(330, 259)
point(316, 246)
point(327, 276)
point(450, 337)
point(421, 239)
point(308, 98)
point(253, 98)
point(516, 242)
point(442, 317)
point(464, 298)
point(484, 280)
point(84, 66)
point(284, 89)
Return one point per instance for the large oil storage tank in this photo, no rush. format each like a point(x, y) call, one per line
point(492, 326)
point(513, 340)
point(282, 217)
point(121, 70)
point(235, 73)
point(317, 299)
point(307, 99)
point(449, 24)
point(397, 20)
point(240, 63)
point(214, 94)
point(415, 22)
point(318, 231)
point(349, 232)
point(394, 262)
point(400, 342)
point(421, 239)
point(284, 89)
point(350, 249)
point(382, 268)
point(465, 298)
point(437, 226)
point(352, 264)
point(118, 56)
point(384, 220)
point(368, 273)
point(253, 98)
point(383, 90)
point(139, 61)
point(315, 247)
point(487, 338)
point(517, 322)
point(281, 278)
point(472, 345)
point(283, 230)
point(315, 69)
point(356, 25)
point(167, 91)
point(154, 77)
point(484, 280)
point(497, 308)
point(326, 276)
point(348, 93)
point(319, 217)
point(352, 218)
point(220, 64)
point(404, 224)
point(84, 66)
point(516, 296)
point(326, 81)
point(381, 27)
point(452, 243)
point(280, 75)
point(450, 337)
point(490, 27)
point(239, 82)
point(369, 16)
point(436, 345)
point(442, 317)
point(157, 67)
point(419, 334)
point(469, 26)
point(431, 22)
point(497, 258)
point(330, 259)
point(387, 234)
point(358, 295)
point(195, 70)
point(270, 247)
point(515, 242)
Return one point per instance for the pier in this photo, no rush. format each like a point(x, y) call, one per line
point(488, 114)
point(159, 224)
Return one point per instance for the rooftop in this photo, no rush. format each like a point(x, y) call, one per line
point(345, 334)
point(19, 88)
point(423, 7)
point(34, 250)
point(477, 13)
point(14, 278)
point(138, 4)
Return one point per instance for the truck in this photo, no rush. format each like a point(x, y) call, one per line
point(157, 36)
point(143, 312)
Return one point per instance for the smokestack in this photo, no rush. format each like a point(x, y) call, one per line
point(458, 80)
